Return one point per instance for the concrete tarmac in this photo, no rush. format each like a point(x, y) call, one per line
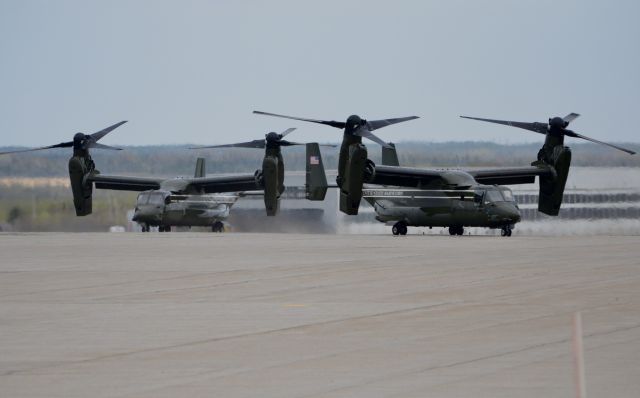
point(274, 315)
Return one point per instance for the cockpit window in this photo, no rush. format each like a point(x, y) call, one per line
point(508, 195)
point(143, 198)
point(156, 198)
point(493, 196)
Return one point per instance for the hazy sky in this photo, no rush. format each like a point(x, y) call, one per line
point(192, 71)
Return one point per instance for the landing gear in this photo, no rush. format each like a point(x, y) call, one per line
point(164, 228)
point(217, 227)
point(456, 230)
point(399, 228)
point(145, 228)
point(506, 231)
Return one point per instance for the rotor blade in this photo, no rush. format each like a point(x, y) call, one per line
point(289, 143)
point(332, 123)
point(576, 135)
point(248, 144)
point(98, 135)
point(287, 131)
point(60, 145)
point(368, 134)
point(378, 124)
point(571, 117)
point(535, 126)
point(102, 146)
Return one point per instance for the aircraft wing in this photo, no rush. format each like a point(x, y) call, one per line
point(122, 183)
point(413, 177)
point(510, 175)
point(234, 183)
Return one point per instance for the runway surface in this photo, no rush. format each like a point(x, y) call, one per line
point(273, 315)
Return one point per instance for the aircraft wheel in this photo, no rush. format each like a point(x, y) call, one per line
point(506, 231)
point(160, 228)
point(399, 228)
point(217, 227)
point(167, 228)
point(456, 230)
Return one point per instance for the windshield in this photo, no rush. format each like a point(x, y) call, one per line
point(508, 195)
point(156, 198)
point(493, 196)
point(143, 198)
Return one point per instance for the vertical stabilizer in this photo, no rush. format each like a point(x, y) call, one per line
point(201, 170)
point(316, 179)
point(389, 155)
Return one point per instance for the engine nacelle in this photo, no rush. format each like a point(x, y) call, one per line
point(552, 187)
point(270, 183)
point(79, 167)
point(351, 187)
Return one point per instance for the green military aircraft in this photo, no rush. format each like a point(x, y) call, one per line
point(455, 207)
point(176, 201)
point(448, 198)
point(163, 208)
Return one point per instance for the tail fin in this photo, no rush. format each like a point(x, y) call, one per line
point(201, 170)
point(389, 155)
point(316, 179)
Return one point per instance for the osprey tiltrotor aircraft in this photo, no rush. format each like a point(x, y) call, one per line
point(176, 201)
point(479, 205)
point(446, 198)
point(163, 209)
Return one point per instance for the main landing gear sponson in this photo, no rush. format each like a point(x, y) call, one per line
point(506, 231)
point(456, 230)
point(399, 228)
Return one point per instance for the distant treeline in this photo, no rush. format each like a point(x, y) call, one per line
point(50, 208)
point(180, 161)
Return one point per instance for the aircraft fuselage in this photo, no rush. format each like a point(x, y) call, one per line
point(161, 208)
point(479, 206)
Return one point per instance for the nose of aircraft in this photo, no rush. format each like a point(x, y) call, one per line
point(145, 214)
point(507, 211)
point(137, 215)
